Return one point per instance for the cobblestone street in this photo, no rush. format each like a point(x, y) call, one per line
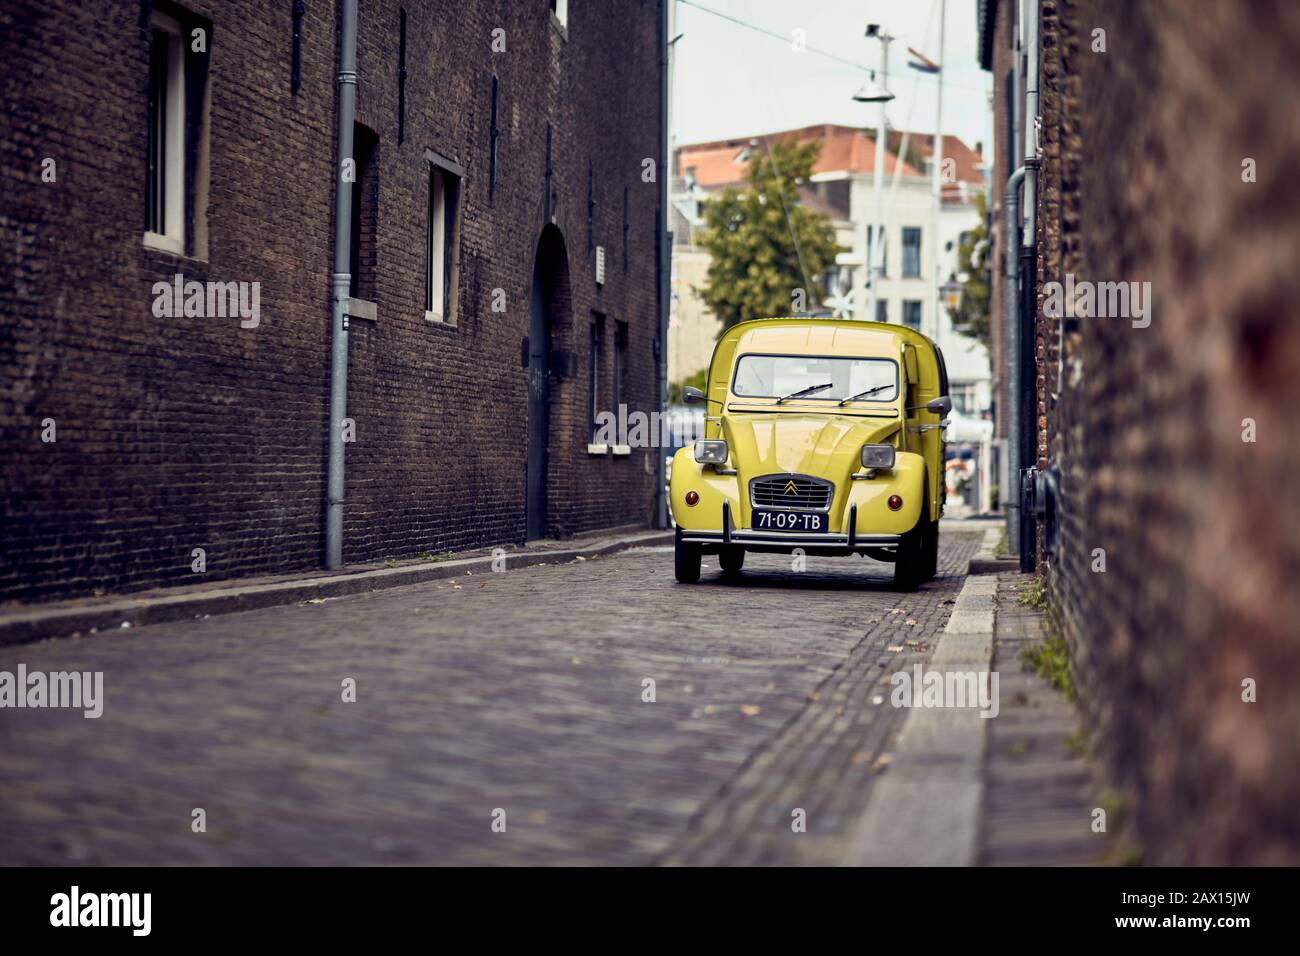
point(519, 691)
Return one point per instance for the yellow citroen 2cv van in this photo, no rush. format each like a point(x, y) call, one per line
point(824, 435)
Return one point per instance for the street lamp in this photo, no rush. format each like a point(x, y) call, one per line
point(952, 290)
point(874, 92)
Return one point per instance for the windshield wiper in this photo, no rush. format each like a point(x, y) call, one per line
point(865, 392)
point(804, 391)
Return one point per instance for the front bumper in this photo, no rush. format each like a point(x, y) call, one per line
point(785, 541)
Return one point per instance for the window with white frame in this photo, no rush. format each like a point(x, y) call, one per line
point(963, 397)
point(911, 252)
point(561, 10)
point(440, 269)
point(165, 206)
point(912, 314)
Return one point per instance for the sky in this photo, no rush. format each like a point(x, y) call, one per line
point(732, 80)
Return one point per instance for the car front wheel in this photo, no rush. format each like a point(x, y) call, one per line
point(913, 561)
point(686, 561)
point(931, 549)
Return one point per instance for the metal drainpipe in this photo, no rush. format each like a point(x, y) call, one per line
point(1011, 305)
point(1029, 273)
point(341, 283)
point(663, 281)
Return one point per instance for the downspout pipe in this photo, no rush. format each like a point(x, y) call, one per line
point(1011, 309)
point(341, 282)
point(1029, 277)
point(664, 260)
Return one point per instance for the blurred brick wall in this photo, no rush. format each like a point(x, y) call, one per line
point(183, 433)
point(1142, 180)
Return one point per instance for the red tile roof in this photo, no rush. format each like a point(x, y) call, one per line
point(844, 149)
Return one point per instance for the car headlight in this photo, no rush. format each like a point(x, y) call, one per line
point(877, 456)
point(711, 452)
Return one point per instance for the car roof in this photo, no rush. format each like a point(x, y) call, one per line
point(805, 336)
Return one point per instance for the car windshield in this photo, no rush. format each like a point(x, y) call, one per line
point(783, 376)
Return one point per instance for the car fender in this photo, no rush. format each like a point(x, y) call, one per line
point(712, 487)
point(871, 496)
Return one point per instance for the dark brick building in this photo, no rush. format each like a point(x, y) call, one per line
point(1169, 137)
point(500, 146)
point(998, 53)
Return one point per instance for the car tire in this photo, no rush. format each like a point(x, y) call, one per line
point(731, 559)
point(686, 561)
point(913, 559)
point(932, 550)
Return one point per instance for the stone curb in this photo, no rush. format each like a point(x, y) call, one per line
point(925, 810)
point(26, 624)
point(986, 562)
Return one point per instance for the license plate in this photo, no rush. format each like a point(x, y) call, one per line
point(765, 520)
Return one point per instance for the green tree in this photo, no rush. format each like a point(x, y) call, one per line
point(758, 268)
point(972, 259)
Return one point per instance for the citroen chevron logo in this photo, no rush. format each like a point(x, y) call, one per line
point(791, 488)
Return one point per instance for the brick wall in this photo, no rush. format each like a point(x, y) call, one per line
point(174, 434)
point(1142, 180)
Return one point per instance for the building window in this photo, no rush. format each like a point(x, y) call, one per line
point(595, 345)
point(882, 310)
point(177, 160)
point(365, 212)
point(883, 264)
point(620, 365)
point(561, 10)
point(911, 252)
point(912, 314)
point(493, 133)
point(963, 398)
point(440, 260)
point(591, 206)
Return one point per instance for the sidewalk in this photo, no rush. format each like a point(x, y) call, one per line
point(21, 623)
point(1015, 789)
point(1040, 788)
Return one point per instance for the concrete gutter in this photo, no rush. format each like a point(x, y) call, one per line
point(925, 810)
point(22, 624)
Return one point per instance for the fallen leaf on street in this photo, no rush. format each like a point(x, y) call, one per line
point(750, 710)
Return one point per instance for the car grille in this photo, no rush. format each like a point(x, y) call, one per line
point(791, 491)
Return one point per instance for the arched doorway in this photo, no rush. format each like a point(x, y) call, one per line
point(548, 310)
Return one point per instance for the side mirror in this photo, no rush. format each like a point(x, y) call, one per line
point(939, 406)
point(692, 395)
